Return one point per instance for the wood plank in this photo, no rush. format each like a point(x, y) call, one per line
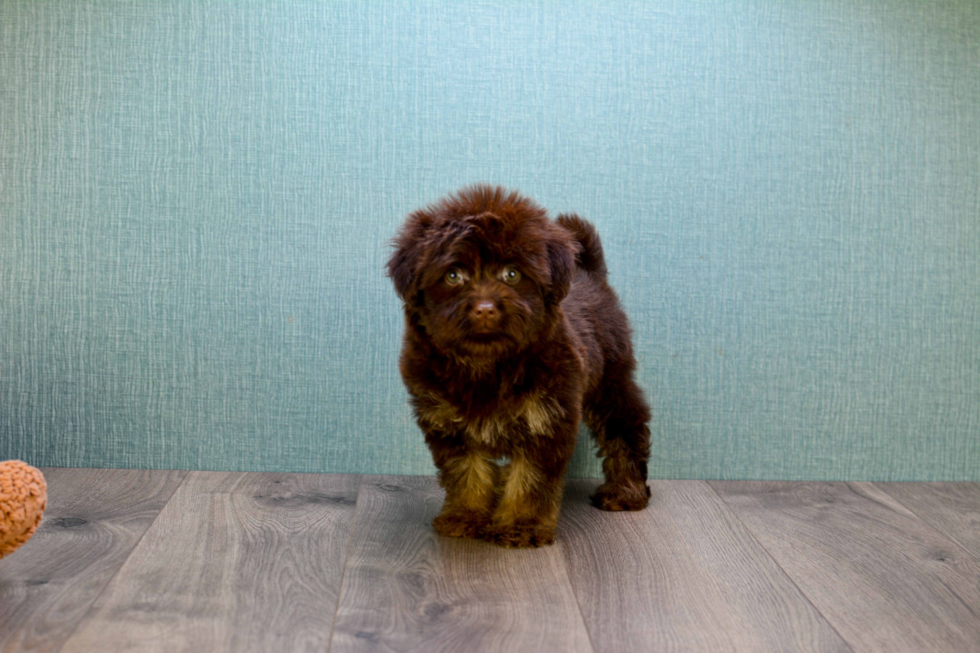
point(951, 508)
point(884, 579)
point(408, 589)
point(94, 519)
point(233, 562)
point(684, 574)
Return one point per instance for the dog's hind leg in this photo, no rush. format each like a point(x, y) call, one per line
point(617, 414)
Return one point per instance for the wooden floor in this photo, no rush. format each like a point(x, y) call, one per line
point(203, 561)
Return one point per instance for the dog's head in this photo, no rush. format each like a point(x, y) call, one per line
point(482, 272)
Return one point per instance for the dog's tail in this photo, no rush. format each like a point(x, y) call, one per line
point(590, 258)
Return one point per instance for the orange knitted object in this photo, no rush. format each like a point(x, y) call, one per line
point(23, 497)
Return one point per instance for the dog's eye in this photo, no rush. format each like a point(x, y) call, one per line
point(511, 275)
point(454, 277)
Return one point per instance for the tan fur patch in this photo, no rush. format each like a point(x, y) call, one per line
point(536, 413)
point(521, 479)
point(487, 430)
point(476, 477)
point(439, 413)
point(540, 414)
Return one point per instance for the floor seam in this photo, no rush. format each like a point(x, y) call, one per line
point(955, 542)
point(343, 573)
point(95, 599)
point(571, 585)
point(806, 597)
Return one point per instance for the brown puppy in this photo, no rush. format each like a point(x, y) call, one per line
point(512, 336)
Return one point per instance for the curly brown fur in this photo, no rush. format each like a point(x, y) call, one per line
point(513, 336)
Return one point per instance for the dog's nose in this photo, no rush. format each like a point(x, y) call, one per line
point(485, 313)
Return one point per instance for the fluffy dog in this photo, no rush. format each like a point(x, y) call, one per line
point(513, 336)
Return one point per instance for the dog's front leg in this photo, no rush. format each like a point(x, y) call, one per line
point(527, 512)
point(530, 493)
point(469, 480)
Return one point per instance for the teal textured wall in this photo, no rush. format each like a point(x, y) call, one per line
point(196, 199)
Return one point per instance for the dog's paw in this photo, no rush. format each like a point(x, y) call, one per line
point(628, 495)
point(519, 536)
point(459, 525)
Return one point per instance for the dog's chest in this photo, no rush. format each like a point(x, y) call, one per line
point(494, 424)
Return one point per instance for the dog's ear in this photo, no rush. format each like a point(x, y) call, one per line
point(562, 249)
point(408, 249)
